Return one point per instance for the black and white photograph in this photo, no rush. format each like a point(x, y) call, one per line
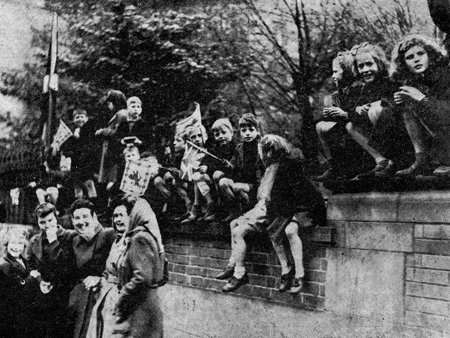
point(225, 169)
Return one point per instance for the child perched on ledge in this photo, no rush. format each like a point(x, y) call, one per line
point(239, 189)
point(213, 169)
point(285, 198)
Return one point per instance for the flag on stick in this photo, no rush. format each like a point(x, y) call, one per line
point(50, 86)
point(62, 135)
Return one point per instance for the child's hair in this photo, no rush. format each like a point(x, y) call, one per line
point(45, 209)
point(79, 112)
point(134, 99)
point(378, 55)
point(192, 129)
point(346, 61)
point(18, 233)
point(117, 98)
point(82, 203)
point(274, 148)
point(222, 124)
point(436, 54)
point(249, 120)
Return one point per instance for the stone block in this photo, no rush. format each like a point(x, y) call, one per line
point(428, 291)
point(365, 283)
point(425, 320)
point(424, 207)
point(363, 207)
point(379, 236)
point(428, 261)
point(432, 246)
point(427, 276)
point(436, 231)
point(425, 305)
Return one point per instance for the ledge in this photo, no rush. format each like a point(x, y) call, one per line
point(398, 207)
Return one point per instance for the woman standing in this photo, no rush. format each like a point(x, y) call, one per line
point(103, 319)
point(141, 271)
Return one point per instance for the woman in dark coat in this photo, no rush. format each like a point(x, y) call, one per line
point(91, 248)
point(141, 272)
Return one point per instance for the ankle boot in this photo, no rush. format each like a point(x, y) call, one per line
point(421, 166)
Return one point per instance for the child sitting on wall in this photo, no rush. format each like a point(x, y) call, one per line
point(213, 169)
point(284, 193)
point(238, 190)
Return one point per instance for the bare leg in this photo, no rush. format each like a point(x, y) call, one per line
point(296, 248)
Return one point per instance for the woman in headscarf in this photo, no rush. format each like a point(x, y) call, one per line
point(103, 319)
point(140, 269)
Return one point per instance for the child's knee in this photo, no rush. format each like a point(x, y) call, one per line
point(159, 181)
point(197, 177)
point(218, 175)
point(168, 177)
point(225, 183)
point(291, 230)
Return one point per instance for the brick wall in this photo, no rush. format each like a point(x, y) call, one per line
point(427, 299)
point(196, 260)
point(402, 242)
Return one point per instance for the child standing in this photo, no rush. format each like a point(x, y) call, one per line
point(284, 192)
point(424, 99)
point(135, 125)
point(239, 188)
point(82, 149)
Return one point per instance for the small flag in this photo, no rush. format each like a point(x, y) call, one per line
point(194, 121)
point(136, 176)
point(191, 161)
point(62, 135)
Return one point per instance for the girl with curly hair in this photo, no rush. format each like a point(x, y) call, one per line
point(421, 65)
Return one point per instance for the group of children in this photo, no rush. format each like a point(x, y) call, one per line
point(396, 113)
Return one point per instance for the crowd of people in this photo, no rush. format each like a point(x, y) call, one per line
point(99, 281)
point(396, 113)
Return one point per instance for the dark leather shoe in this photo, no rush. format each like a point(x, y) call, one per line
point(388, 171)
point(235, 283)
point(297, 285)
point(226, 273)
point(378, 168)
point(286, 281)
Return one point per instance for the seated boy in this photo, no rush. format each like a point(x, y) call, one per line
point(240, 187)
point(169, 183)
point(212, 169)
point(190, 165)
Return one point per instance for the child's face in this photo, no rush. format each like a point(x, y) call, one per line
point(132, 155)
point(196, 137)
point(16, 246)
point(417, 60)
point(222, 135)
point(45, 287)
point(367, 67)
point(134, 109)
point(80, 120)
point(178, 144)
point(338, 72)
point(248, 133)
point(47, 222)
point(121, 218)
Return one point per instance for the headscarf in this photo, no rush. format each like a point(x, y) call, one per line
point(142, 215)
